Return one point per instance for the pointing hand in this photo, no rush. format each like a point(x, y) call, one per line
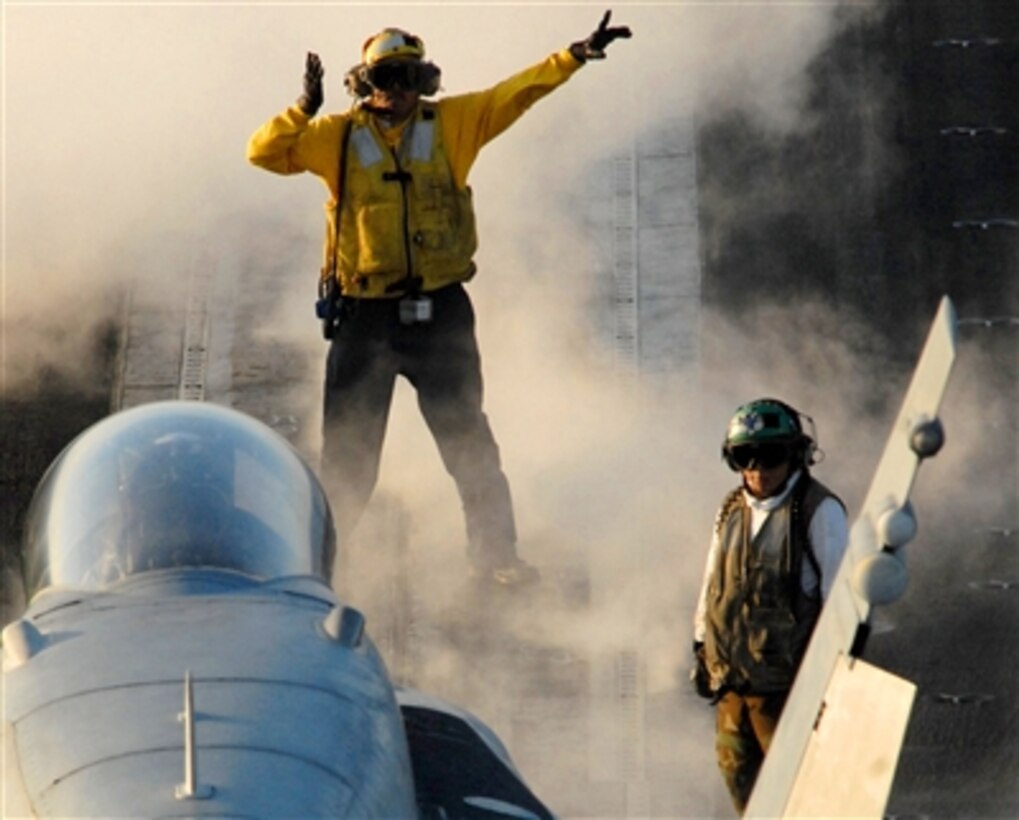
point(593, 48)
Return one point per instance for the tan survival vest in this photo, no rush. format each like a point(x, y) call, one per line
point(758, 619)
point(402, 217)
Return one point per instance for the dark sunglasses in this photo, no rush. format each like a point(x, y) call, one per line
point(387, 76)
point(763, 456)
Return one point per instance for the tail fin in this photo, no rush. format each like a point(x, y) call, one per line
point(824, 759)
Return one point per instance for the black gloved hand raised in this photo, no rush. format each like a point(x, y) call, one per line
point(312, 98)
point(593, 48)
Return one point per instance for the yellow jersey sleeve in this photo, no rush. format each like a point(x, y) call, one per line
point(471, 120)
point(291, 143)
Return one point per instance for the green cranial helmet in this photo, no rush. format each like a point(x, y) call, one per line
point(761, 421)
point(768, 422)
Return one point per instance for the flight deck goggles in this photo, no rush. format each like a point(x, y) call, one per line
point(392, 74)
point(760, 456)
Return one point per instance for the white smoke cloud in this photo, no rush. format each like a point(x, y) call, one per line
point(124, 139)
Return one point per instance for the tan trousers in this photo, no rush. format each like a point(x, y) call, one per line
point(745, 725)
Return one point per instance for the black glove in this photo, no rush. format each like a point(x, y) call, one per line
point(312, 98)
point(699, 674)
point(593, 48)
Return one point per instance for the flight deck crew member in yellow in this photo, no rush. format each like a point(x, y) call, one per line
point(400, 244)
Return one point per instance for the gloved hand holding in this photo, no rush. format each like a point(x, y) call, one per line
point(312, 98)
point(699, 674)
point(593, 48)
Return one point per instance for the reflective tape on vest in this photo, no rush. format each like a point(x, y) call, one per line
point(421, 140)
point(368, 151)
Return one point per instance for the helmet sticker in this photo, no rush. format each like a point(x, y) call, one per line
point(752, 422)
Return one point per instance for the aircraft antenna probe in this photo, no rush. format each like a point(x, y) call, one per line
point(190, 789)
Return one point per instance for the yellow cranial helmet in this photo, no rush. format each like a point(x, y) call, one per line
point(389, 44)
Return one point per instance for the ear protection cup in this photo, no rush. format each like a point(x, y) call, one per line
point(430, 79)
point(355, 83)
point(805, 447)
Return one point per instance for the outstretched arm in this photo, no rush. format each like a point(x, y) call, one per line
point(471, 120)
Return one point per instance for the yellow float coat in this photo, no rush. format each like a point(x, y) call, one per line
point(419, 225)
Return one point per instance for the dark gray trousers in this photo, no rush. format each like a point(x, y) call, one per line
point(440, 359)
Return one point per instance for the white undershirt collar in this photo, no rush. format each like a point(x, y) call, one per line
point(772, 502)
